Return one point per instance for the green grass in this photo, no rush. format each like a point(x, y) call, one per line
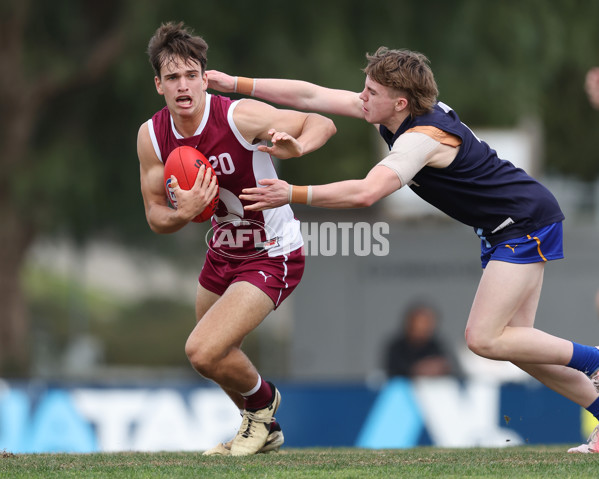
point(520, 462)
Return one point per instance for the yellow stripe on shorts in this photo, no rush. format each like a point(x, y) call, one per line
point(538, 246)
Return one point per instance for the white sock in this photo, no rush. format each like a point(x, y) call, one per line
point(254, 389)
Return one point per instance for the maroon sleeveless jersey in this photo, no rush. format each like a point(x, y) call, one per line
point(238, 164)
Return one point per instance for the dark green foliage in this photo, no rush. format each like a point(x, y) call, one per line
point(495, 62)
point(68, 133)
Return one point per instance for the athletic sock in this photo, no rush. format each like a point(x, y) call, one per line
point(259, 396)
point(594, 408)
point(584, 358)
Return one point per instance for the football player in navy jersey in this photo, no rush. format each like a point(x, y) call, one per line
point(518, 220)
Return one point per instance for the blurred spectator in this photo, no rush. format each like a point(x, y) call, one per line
point(416, 349)
point(592, 86)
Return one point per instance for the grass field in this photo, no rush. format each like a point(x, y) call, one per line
point(520, 462)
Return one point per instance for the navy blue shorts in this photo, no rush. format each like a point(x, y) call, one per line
point(545, 244)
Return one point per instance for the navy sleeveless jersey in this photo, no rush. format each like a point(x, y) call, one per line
point(479, 189)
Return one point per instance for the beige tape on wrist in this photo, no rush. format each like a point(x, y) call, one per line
point(300, 194)
point(245, 86)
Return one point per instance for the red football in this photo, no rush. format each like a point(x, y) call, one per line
point(184, 163)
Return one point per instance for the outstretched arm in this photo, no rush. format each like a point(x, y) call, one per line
point(410, 153)
point(292, 133)
point(380, 182)
point(592, 86)
point(292, 93)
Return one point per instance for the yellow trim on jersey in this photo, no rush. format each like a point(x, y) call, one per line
point(437, 134)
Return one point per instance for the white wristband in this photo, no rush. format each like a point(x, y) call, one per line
point(290, 194)
point(309, 200)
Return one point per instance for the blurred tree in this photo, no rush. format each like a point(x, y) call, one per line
point(43, 54)
point(76, 85)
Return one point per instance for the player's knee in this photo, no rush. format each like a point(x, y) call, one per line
point(479, 344)
point(199, 357)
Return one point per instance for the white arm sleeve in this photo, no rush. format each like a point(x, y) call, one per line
point(410, 153)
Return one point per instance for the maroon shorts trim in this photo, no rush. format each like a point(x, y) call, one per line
point(277, 276)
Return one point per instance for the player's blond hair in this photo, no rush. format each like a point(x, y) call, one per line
point(408, 72)
point(175, 40)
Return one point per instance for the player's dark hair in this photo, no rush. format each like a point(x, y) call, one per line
point(415, 310)
point(175, 40)
point(408, 72)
